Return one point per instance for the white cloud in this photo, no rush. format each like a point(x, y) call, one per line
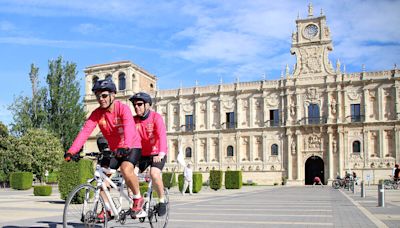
point(87, 28)
point(6, 26)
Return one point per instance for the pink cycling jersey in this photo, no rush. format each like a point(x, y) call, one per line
point(153, 134)
point(116, 127)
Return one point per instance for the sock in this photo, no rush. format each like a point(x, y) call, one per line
point(137, 196)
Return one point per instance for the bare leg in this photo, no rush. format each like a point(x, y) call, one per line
point(127, 170)
point(157, 181)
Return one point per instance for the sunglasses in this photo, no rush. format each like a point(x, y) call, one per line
point(103, 95)
point(138, 104)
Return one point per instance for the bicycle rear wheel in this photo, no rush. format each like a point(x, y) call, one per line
point(81, 208)
point(157, 221)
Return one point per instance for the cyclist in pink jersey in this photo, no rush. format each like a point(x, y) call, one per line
point(151, 129)
point(114, 120)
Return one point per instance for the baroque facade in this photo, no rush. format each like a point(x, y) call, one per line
point(315, 121)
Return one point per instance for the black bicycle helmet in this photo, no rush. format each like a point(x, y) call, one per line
point(141, 96)
point(104, 85)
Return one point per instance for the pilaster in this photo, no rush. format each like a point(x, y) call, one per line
point(290, 138)
point(299, 157)
point(381, 142)
point(366, 105)
point(251, 148)
point(365, 147)
point(380, 105)
point(340, 151)
point(330, 155)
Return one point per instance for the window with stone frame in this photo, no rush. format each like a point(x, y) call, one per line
point(121, 81)
point(229, 151)
point(274, 150)
point(188, 152)
point(356, 147)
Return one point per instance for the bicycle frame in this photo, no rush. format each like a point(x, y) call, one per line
point(102, 179)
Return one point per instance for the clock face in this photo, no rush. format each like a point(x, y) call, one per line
point(310, 31)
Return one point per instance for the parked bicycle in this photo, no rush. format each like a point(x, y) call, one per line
point(84, 203)
point(391, 183)
point(345, 183)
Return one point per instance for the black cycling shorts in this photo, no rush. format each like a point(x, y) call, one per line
point(115, 162)
point(146, 161)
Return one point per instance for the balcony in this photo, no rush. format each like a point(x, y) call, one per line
point(355, 118)
point(273, 123)
point(313, 120)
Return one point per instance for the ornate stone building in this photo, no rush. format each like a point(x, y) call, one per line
point(316, 120)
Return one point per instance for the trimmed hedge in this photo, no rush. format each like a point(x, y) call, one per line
point(52, 178)
point(166, 177)
point(216, 179)
point(197, 182)
point(233, 179)
point(73, 174)
point(42, 190)
point(21, 180)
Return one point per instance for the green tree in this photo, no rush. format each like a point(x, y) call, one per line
point(65, 111)
point(42, 149)
point(29, 112)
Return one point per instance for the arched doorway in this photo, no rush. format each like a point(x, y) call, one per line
point(314, 167)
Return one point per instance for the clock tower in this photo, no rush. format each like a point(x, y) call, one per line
point(311, 44)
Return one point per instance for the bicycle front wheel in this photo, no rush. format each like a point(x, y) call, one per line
point(82, 206)
point(336, 184)
point(156, 220)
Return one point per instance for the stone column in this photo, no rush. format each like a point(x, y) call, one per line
point(330, 155)
point(264, 148)
point(222, 115)
point(366, 105)
point(397, 100)
point(290, 138)
point(220, 151)
point(299, 157)
point(252, 111)
point(208, 114)
point(340, 146)
point(238, 157)
point(195, 151)
point(251, 148)
point(365, 147)
point(339, 114)
point(196, 113)
point(208, 148)
point(379, 98)
point(381, 142)
point(397, 143)
point(346, 149)
point(238, 114)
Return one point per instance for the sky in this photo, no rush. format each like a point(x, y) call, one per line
point(184, 41)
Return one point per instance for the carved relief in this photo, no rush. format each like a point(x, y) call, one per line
point(372, 94)
point(334, 146)
point(311, 60)
point(354, 95)
point(313, 142)
point(272, 100)
point(245, 105)
point(203, 107)
point(228, 105)
point(187, 108)
point(163, 111)
point(292, 109)
point(312, 94)
point(293, 147)
point(333, 105)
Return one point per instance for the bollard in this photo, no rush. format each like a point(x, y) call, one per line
point(363, 189)
point(381, 195)
point(354, 187)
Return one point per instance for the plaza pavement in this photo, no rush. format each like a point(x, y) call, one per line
point(255, 206)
